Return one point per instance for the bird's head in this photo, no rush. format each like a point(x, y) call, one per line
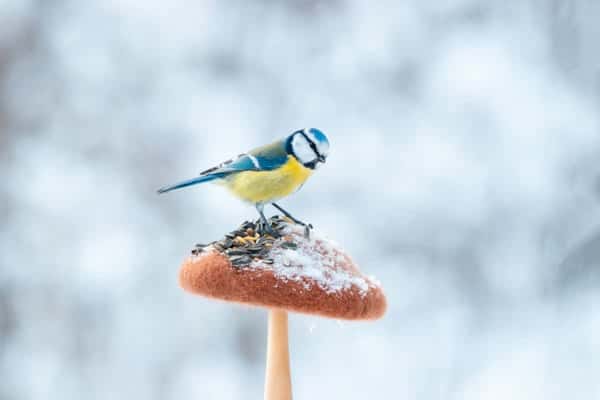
point(309, 146)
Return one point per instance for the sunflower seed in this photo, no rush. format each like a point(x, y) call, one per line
point(237, 252)
point(240, 260)
point(255, 249)
point(289, 245)
point(247, 225)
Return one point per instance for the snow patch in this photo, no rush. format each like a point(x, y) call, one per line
point(316, 261)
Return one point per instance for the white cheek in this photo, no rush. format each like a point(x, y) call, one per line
point(303, 151)
point(323, 149)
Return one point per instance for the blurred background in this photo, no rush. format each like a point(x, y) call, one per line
point(463, 173)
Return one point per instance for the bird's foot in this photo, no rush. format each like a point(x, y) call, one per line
point(307, 226)
point(265, 228)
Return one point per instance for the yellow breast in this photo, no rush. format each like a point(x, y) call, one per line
point(268, 186)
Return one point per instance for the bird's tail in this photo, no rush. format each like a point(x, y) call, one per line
point(189, 182)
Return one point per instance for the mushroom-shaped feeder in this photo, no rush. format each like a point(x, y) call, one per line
point(300, 272)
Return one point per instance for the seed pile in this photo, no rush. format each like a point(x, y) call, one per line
point(246, 244)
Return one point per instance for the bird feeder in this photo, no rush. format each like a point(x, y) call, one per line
point(295, 272)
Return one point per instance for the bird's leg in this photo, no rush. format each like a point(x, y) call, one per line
point(287, 214)
point(264, 225)
point(307, 227)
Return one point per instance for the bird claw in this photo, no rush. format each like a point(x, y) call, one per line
point(266, 228)
point(307, 228)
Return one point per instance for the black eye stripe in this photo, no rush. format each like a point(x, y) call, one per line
point(312, 144)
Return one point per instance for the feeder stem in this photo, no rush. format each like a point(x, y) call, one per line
point(278, 384)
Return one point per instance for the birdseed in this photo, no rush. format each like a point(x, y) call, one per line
point(246, 243)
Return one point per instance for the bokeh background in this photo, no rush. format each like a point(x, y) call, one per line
point(463, 173)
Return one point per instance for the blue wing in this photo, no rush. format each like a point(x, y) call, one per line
point(264, 158)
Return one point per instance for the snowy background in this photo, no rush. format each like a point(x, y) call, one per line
point(463, 173)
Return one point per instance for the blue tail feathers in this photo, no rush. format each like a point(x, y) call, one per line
point(190, 182)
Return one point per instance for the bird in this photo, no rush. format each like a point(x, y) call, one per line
point(268, 173)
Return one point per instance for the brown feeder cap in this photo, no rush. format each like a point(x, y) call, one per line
point(307, 275)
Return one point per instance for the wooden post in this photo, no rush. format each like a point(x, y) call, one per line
point(278, 383)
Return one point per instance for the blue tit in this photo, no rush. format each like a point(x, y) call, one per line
point(268, 173)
